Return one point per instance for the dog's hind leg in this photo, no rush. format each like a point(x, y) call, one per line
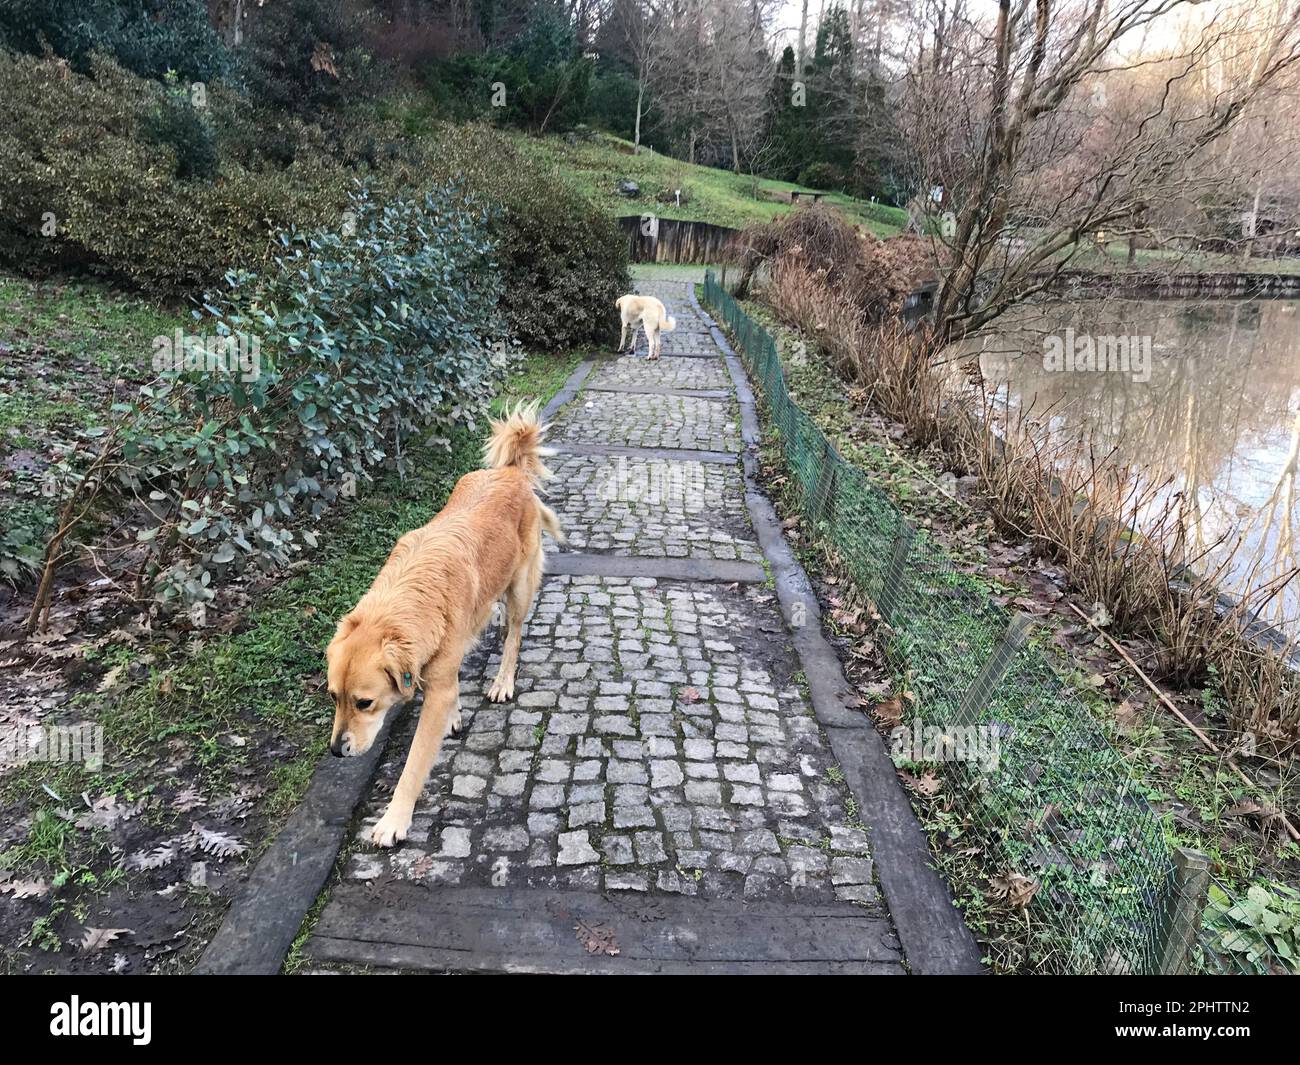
point(622, 336)
point(519, 600)
point(652, 347)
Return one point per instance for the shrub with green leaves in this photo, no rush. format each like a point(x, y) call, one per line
point(547, 82)
point(92, 181)
point(308, 376)
point(147, 37)
point(822, 176)
point(563, 261)
point(184, 128)
point(304, 57)
point(1257, 933)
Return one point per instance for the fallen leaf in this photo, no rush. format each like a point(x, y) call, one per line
point(1013, 888)
point(25, 889)
point(889, 712)
point(111, 677)
point(596, 939)
point(99, 938)
point(928, 784)
point(152, 859)
point(217, 843)
point(106, 812)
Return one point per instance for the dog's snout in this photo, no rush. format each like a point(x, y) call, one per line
point(336, 747)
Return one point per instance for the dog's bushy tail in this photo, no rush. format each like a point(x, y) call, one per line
point(670, 324)
point(516, 440)
point(550, 522)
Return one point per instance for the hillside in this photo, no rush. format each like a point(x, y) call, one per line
point(597, 164)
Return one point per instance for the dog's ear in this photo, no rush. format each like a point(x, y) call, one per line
point(399, 655)
point(346, 624)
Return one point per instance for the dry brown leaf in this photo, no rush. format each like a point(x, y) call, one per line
point(928, 784)
point(111, 677)
point(889, 712)
point(322, 59)
point(597, 938)
point(99, 938)
point(25, 889)
point(1013, 888)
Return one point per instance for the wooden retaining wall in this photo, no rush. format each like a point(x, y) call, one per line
point(671, 240)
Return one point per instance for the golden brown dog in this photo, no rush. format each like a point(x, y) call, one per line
point(430, 601)
point(648, 312)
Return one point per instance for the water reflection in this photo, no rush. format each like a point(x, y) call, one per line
point(1217, 409)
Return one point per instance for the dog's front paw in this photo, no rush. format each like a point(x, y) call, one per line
point(391, 830)
point(502, 690)
point(455, 723)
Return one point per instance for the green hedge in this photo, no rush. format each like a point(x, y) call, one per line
point(94, 180)
point(563, 261)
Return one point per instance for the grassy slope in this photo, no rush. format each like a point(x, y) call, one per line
point(718, 196)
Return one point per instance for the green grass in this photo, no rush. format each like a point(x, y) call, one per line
point(536, 377)
point(1172, 260)
point(84, 320)
point(724, 198)
point(62, 345)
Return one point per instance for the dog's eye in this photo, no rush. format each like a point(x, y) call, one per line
point(364, 704)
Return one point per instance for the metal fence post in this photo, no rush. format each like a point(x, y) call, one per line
point(892, 581)
point(824, 489)
point(994, 668)
point(1191, 886)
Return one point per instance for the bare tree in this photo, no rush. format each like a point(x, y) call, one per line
point(643, 28)
point(713, 72)
point(992, 109)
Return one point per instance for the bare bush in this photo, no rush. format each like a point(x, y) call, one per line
point(872, 276)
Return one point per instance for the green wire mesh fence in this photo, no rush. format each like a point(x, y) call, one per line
point(1025, 760)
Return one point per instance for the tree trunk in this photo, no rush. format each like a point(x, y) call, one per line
point(640, 95)
point(1252, 227)
point(803, 34)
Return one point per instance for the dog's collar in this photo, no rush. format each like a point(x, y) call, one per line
point(406, 680)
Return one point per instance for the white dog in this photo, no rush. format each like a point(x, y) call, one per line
point(651, 315)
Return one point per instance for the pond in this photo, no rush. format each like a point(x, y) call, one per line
point(1203, 392)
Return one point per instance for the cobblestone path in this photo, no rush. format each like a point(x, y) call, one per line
point(660, 795)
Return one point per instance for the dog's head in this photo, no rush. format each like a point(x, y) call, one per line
point(371, 670)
